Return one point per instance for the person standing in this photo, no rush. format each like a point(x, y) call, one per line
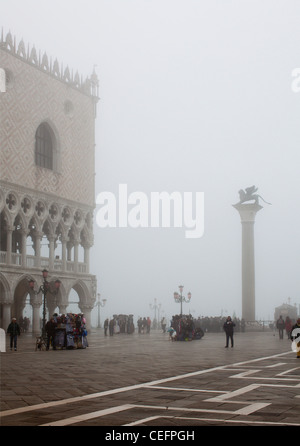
point(228, 328)
point(106, 323)
point(280, 324)
point(111, 326)
point(51, 331)
point(140, 324)
point(148, 324)
point(14, 331)
point(288, 327)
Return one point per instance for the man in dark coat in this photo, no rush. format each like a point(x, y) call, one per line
point(50, 330)
point(280, 324)
point(14, 330)
point(106, 323)
point(228, 328)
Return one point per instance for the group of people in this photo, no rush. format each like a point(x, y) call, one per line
point(286, 325)
point(70, 330)
point(215, 324)
point(66, 331)
point(24, 323)
point(185, 328)
point(119, 323)
point(144, 325)
point(292, 330)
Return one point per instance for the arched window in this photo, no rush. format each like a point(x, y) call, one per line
point(44, 146)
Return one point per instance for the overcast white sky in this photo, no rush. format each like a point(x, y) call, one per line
point(195, 96)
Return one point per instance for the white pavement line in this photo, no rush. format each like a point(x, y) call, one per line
point(128, 388)
point(279, 385)
point(112, 410)
point(244, 374)
point(89, 416)
point(183, 409)
point(261, 359)
point(288, 371)
point(252, 408)
point(278, 364)
point(145, 420)
point(186, 389)
point(104, 393)
point(234, 393)
point(214, 420)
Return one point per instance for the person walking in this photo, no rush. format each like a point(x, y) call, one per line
point(228, 328)
point(280, 324)
point(295, 337)
point(14, 331)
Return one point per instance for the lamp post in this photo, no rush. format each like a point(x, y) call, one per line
point(45, 288)
point(179, 298)
point(100, 304)
point(155, 307)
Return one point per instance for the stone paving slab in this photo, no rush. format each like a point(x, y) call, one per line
point(146, 380)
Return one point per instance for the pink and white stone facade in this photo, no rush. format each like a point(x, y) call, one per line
point(45, 209)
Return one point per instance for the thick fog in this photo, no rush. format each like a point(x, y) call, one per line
point(195, 96)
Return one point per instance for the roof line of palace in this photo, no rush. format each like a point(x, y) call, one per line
point(90, 86)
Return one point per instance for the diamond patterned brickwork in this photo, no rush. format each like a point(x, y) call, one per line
point(32, 97)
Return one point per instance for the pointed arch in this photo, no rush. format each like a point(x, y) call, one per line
point(47, 147)
point(6, 289)
point(82, 290)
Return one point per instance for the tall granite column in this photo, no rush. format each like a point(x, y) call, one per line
point(247, 213)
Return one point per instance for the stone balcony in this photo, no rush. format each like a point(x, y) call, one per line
point(43, 262)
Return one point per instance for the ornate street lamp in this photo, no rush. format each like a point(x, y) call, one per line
point(100, 303)
point(155, 307)
point(44, 288)
point(179, 298)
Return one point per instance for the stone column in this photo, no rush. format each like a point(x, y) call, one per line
point(69, 251)
point(247, 213)
point(6, 316)
point(24, 234)
point(51, 239)
point(37, 247)
point(36, 302)
point(76, 245)
point(51, 305)
point(63, 308)
point(10, 230)
point(87, 257)
point(87, 310)
point(64, 253)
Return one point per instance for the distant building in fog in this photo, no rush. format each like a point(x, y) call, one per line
point(47, 175)
point(286, 310)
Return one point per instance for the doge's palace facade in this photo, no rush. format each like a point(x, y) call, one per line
point(47, 170)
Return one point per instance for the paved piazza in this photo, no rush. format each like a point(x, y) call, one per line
point(146, 380)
